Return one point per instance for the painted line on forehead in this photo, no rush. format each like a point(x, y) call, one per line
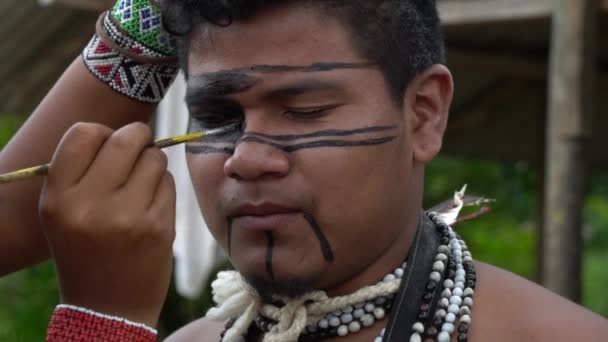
point(328, 253)
point(323, 133)
point(275, 68)
point(269, 254)
point(218, 85)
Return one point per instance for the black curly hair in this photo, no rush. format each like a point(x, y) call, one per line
point(402, 36)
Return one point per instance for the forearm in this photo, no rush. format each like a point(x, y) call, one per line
point(78, 96)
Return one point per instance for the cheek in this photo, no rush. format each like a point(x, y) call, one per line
point(207, 174)
point(359, 193)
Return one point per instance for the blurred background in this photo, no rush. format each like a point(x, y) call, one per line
point(526, 129)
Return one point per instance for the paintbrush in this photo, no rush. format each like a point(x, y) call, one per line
point(43, 170)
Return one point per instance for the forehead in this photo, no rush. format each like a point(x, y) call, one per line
point(288, 35)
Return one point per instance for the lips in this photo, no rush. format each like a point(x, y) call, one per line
point(263, 217)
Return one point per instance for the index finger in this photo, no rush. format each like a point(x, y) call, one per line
point(75, 153)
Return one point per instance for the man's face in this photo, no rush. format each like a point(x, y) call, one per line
point(310, 189)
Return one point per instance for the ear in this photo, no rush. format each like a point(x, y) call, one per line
point(428, 99)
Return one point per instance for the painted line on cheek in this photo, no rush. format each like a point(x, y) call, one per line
point(209, 150)
point(269, 255)
point(328, 254)
point(319, 143)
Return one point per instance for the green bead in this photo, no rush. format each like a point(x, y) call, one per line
point(140, 19)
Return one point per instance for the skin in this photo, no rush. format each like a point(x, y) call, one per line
point(77, 97)
point(378, 186)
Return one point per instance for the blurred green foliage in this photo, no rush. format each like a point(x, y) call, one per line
point(505, 237)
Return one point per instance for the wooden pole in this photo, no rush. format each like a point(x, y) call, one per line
point(568, 131)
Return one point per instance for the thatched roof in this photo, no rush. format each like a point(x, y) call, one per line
point(497, 49)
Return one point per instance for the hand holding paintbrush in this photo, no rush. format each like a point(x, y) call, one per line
point(107, 209)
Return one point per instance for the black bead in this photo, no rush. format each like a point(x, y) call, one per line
point(470, 283)
point(463, 328)
point(430, 286)
point(462, 338)
point(451, 274)
point(425, 307)
point(427, 296)
point(422, 316)
point(444, 240)
point(431, 331)
point(437, 321)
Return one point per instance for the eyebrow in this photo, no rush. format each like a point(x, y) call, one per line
point(303, 87)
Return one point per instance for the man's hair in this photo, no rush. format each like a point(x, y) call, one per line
point(403, 37)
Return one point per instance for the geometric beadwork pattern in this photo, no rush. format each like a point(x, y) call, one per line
point(140, 20)
point(141, 81)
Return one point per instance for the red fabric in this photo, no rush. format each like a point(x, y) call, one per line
point(69, 325)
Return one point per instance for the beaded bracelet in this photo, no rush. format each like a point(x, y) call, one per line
point(75, 324)
point(131, 53)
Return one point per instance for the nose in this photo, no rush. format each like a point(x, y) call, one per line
point(256, 161)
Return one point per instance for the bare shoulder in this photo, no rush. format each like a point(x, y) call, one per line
point(511, 308)
point(202, 330)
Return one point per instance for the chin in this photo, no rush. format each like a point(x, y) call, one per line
point(287, 287)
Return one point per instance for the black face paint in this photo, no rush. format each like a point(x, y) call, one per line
point(328, 253)
point(203, 148)
point(269, 254)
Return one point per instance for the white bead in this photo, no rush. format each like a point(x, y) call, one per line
point(379, 313)
point(323, 324)
point(358, 313)
point(380, 300)
point(459, 284)
point(378, 339)
point(334, 322)
point(369, 307)
point(354, 327)
point(368, 320)
point(443, 337)
point(415, 338)
point(468, 301)
point(418, 327)
point(398, 272)
point(450, 318)
point(443, 249)
point(447, 327)
point(389, 277)
point(459, 278)
point(446, 293)
point(465, 310)
point(441, 257)
point(444, 303)
point(448, 283)
point(435, 276)
point(467, 258)
point(455, 300)
point(465, 319)
point(440, 313)
point(457, 292)
point(452, 308)
point(468, 292)
point(438, 266)
point(348, 309)
point(342, 330)
point(461, 272)
point(346, 318)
